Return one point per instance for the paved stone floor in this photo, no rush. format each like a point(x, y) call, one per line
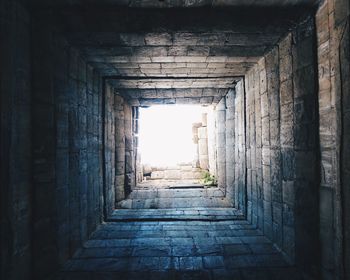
point(164, 184)
point(178, 250)
point(176, 214)
point(158, 198)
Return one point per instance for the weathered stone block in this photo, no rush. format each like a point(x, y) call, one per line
point(288, 216)
point(265, 131)
point(286, 68)
point(288, 191)
point(274, 133)
point(202, 133)
point(172, 174)
point(157, 174)
point(287, 135)
point(305, 165)
point(288, 164)
point(286, 92)
point(264, 105)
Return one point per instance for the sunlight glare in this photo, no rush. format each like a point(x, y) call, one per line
point(166, 134)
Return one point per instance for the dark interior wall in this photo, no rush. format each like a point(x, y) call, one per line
point(119, 162)
point(67, 149)
point(230, 145)
point(282, 150)
point(130, 164)
point(110, 149)
point(345, 151)
point(15, 140)
point(332, 23)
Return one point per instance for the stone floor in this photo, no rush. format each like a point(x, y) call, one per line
point(167, 194)
point(164, 184)
point(188, 214)
point(178, 250)
point(182, 197)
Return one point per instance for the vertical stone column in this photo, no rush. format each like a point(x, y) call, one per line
point(110, 148)
point(305, 157)
point(221, 142)
point(129, 149)
point(195, 139)
point(120, 148)
point(230, 143)
point(137, 156)
point(273, 86)
point(203, 144)
point(211, 141)
point(240, 148)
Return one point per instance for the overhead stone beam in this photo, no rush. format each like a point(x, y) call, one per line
point(181, 83)
point(203, 101)
point(171, 93)
point(172, 59)
point(178, 42)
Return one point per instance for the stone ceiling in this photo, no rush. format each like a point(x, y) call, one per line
point(181, 3)
point(150, 54)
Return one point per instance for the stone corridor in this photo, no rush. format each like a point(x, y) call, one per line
point(267, 193)
point(178, 250)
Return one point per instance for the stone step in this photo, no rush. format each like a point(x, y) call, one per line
point(178, 214)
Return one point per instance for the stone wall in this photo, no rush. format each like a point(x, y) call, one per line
point(15, 141)
point(332, 24)
point(230, 144)
point(282, 151)
point(110, 152)
point(130, 163)
point(220, 116)
point(177, 172)
point(119, 148)
point(211, 122)
point(240, 162)
point(67, 192)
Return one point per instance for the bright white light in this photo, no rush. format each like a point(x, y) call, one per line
point(166, 134)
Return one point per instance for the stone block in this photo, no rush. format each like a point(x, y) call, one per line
point(288, 164)
point(202, 132)
point(287, 114)
point(172, 174)
point(265, 131)
point(286, 68)
point(263, 82)
point(304, 137)
point(274, 133)
point(204, 162)
point(264, 105)
point(276, 177)
point(288, 216)
point(305, 165)
point(287, 135)
point(203, 147)
point(286, 92)
point(304, 109)
point(186, 167)
point(157, 174)
point(303, 52)
point(285, 46)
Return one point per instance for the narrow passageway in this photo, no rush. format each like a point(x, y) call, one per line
point(174, 139)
